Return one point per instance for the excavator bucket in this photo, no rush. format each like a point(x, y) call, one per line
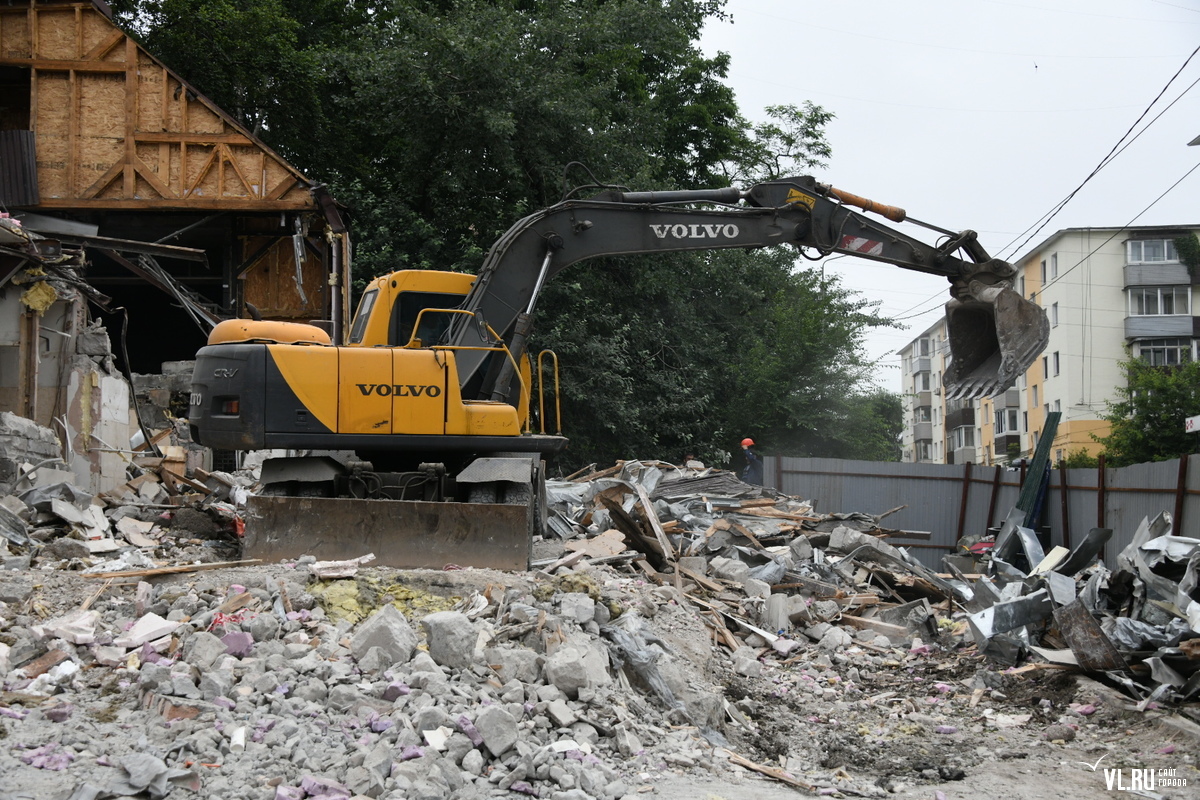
point(995, 335)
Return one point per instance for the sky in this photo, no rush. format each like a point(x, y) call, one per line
point(980, 114)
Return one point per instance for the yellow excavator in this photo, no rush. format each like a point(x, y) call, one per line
point(414, 433)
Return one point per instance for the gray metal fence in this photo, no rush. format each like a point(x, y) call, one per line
point(951, 501)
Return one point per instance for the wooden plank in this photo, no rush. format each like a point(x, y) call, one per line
point(134, 573)
point(655, 523)
point(141, 169)
point(65, 65)
point(103, 47)
point(191, 137)
point(100, 185)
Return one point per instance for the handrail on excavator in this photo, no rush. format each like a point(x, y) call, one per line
point(542, 393)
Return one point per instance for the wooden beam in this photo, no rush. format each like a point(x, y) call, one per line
point(96, 188)
point(187, 203)
point(103, 47)
point(131, 109)
point(142, 169)
point(64, 65)
point(208, 163)
point(176, 137)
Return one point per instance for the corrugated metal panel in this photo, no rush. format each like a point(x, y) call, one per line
point(932, 496)
point(18, 169)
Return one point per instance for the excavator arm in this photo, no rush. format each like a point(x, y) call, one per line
point(995, 334)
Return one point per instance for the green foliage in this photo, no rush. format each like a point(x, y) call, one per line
point(1188, 248)
point(440, 123)
point(1147, 419)
point(1079, 459)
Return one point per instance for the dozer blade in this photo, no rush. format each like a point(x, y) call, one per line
point(995, 335)
point(401, 533)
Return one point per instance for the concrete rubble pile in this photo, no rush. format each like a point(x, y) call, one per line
point(154, 516)
point(684, 625)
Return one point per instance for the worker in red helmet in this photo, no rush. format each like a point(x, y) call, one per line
point(753, 471)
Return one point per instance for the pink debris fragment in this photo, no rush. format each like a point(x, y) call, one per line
point(50, 756)
point(944, 688)
point(288, 793)
point(523, 788)
point(324, 787)
point(395, 689)
point(59, 713)
point(410, 752)
point(1166, 751)
point(13, 713)
point(238, 643)
point(1085, 710)
point(939, 796)
point(467, 727)
point(945, 729)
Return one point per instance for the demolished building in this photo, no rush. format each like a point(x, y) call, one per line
point(168, 214)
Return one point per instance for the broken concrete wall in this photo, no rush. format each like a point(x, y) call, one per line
point(78, 392)
point(22, 442)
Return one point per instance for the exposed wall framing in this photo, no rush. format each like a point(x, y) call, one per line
point(119, 137)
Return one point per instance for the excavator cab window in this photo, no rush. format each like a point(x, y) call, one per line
point(404, 314)
point(359, 328)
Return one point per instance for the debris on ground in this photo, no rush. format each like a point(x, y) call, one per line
point(678, 625)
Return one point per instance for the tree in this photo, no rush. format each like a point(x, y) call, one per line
point(442, 122)
point(1147, 419)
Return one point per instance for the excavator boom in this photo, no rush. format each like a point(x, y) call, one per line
point(995, 334)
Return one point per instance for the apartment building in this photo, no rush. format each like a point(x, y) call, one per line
point(1108, 293)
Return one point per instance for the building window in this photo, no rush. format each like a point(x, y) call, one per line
point(1024, 420)
point(1056, 362)
point(1058, 456)
point(1045, 369)
point(963, 436)
point(924, 452)
point(1150, 251)
point(923, 348)
point(1036, 436)
point(923, 413)
point(1160, 301)
point(1035, 394)
point(1006, 421)
point(1043, 272)
point(1058, 406)
point(921, 381)
point(1054, 314)
point(1021, 286)
point(1165, 352)
point(1054, 265)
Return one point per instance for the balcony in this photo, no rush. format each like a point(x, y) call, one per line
point(921, 364)
point(1159, 327)
point(923, 399)
point(1164, 274)
point(1010, 399)
point(959, 417)
point(923, 430)
point(963, 455)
